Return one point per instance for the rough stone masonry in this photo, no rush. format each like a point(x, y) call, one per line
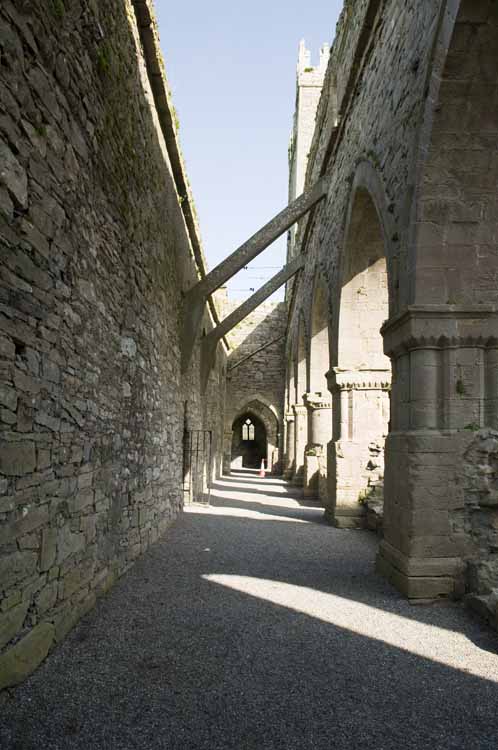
point(256, 378)
point(391, 353)
point(97, 241)
point(406, 248)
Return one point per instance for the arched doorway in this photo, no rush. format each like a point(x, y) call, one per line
point(249, 442)
point(362, 375)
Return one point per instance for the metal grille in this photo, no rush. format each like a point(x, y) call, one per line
point(197, 446)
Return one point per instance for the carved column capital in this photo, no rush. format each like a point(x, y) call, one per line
point(318, 400)
point(358, 380)
point(440, 327)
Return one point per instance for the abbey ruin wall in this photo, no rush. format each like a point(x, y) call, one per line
point(256, 376)
point(97, 241)
point(407, 240)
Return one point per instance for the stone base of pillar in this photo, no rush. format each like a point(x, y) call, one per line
point(311, 473)
point(323, 490)
point(288, 473)
point(310, 493)
point(346, 518)
point(298, 479)
point(422, 578)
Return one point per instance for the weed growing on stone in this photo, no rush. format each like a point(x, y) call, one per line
point(58, 8)
point(103, 60)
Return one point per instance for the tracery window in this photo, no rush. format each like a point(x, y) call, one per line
point(248, 430)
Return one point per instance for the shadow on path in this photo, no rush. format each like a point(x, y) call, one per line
point(251, 632)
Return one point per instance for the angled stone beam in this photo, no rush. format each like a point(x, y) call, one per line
point(196, 297)
point(210, 342)
point(260, 241)
point(256, 299)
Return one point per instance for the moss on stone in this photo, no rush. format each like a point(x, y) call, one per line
point(58, 8)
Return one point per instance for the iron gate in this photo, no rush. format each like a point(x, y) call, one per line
point(197, 446)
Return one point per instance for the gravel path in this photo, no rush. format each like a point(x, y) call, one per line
point(254, 625)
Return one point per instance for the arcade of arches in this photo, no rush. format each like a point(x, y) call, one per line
point(373, 389)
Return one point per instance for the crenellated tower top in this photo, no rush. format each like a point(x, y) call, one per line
point(304, 65)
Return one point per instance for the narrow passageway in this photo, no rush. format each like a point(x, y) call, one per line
point(254, 624)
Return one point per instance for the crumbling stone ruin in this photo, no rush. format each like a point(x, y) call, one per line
point(373, 387)
point(99, 238)
point(404, 251)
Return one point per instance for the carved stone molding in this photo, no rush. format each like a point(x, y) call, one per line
point(318, 401)
point(358, 380)
point(441, 327)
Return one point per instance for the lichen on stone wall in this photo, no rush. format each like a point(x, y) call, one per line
point(94, 252)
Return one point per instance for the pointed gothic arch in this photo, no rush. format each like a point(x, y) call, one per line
point(249, 451)
point(360, 376)
point(444, 345)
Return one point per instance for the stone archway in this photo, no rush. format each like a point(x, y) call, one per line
point(318, 400)
point(444, 347)
point(266, 419)
point(249, 442)
point(361, 375)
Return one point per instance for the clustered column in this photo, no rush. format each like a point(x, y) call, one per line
point(356, 452)
point(443, 403)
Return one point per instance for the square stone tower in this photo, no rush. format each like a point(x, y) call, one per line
point(309, 83)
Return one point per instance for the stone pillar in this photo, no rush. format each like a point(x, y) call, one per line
point(300, 442)
point(227, 451)
point(443, 414)
point(319, 406)
point(356, 452)
point(290, 446)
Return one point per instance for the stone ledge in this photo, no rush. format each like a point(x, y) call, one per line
point(23, 658)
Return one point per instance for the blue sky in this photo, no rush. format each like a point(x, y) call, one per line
point(231, 67)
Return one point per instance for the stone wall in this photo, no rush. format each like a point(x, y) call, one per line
point(97, 243)
point(405, 128)
point(257, 382)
